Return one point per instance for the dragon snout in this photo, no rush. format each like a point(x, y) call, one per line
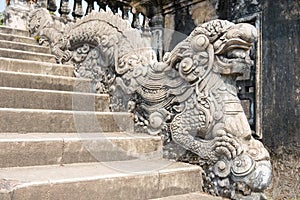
point(243, 31)
point(240, 36)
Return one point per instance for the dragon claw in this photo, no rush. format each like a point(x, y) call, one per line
point(227, 145)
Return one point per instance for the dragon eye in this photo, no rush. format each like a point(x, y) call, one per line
point(200, 43)
point(186, 65)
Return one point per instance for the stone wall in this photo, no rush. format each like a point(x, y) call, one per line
point(183, 17)
point(280, 86)
point(281, 94)
point(278, 76)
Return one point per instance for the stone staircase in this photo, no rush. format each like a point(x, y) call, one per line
point(58, 140)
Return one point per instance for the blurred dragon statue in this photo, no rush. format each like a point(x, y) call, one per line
point(190, 98)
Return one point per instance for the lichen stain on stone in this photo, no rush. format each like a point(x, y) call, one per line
point(202, 12)
point(8, 185)
point(291, 10)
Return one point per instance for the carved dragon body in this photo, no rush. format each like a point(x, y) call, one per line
point(190, 98)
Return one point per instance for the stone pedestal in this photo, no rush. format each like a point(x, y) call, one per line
point(16, 15)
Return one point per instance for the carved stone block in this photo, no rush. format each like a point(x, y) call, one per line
point(16, 16)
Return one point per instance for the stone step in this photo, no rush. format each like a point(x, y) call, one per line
point(57, 121)
point(24, 55)
point(52, 100)
point(17, 150)
point(35, 67)
point(191, 196)
point(17, 38)
point(23, 47)
point(47, 82)
point(13, 31)
point(132, 180)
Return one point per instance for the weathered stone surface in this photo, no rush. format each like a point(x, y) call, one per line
point(110, 147)
point(13, 31)
point(34, 120)
point(35, 67)
point(108, 180)
point(191, 196)
point(280, 82)
point(54, 141)
point(24, 47)
point(190, 98)
point(16, 15)
point(24, 55)
point(202, 12)
point(62, 148)
point(16, 38)
point(47, 82)
point(25, 150)
point(281, 94)
point(52, 100)
point(178, 183)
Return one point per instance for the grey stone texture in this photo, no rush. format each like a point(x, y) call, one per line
point(58, 140)
point(279, 27)
point(13, 31)
point(106, 180)
point(18, 150)
point(11, 53)
point(191, 196)
point(52, 100)
point(35, 67)
point(24, 47)
point(16, 14)
point(17, 38)
point(47, 82)
point(189, 98)
point(280, 83)
point(38, 120)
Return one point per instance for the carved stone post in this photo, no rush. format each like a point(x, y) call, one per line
point(125, 11)
point(64, 9)
point(77, 9)
point(90, 6)
point(113, 6)
point(38, 3)
point(52, 5)
point(16, 14)
point(157, 22)
point(102, 5)
point(136, 21)
point(146, 28)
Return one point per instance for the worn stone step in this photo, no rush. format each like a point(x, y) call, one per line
point(58, 121)
point(47, 82)
point(52, 100)
point(130, 180)
point(191, 196)
point(13, 31)
point(24, 55)
point(23, 47)
point(17, 38)
point(35, 67)
point(17, 150)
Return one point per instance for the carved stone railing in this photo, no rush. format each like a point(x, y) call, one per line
point(144, 18)
point(190, 98)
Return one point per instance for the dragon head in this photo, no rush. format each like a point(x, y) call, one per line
point(233, 47)
point(218, 45)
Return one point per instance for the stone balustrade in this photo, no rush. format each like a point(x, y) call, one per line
point(147, 18)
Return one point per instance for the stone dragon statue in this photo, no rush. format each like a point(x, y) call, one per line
point(190, 98)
